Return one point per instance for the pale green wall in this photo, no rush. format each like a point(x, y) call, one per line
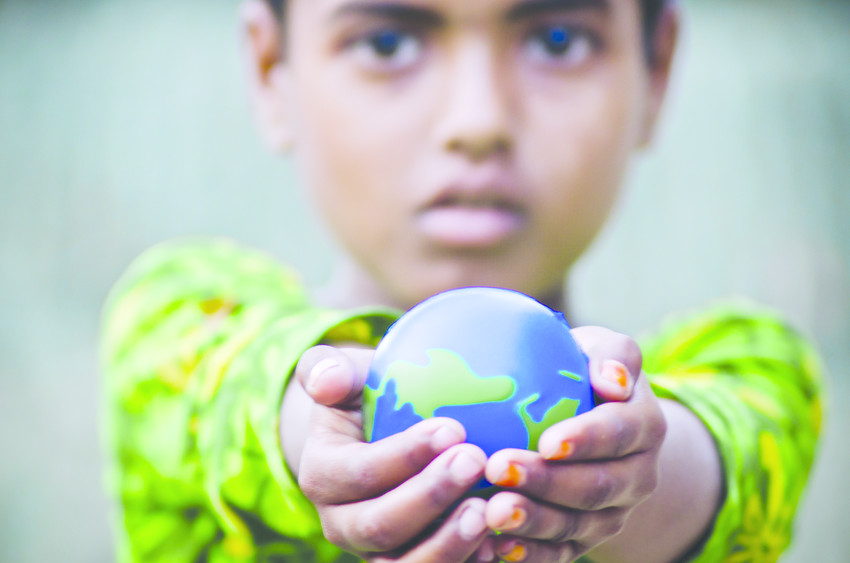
point(123, 123)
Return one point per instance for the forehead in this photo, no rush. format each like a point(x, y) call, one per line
point(463, 9)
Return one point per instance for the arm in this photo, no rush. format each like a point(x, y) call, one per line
point(634, 422)
point(682, 508)
point(199, 340)
point(757, 386)
point(581, 492)
point(724, 484)
point(349, 478)
point(727, 376)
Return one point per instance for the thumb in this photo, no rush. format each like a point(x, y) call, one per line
point(615, 362)
point(334, 376)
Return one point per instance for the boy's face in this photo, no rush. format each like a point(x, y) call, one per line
point(454, 143)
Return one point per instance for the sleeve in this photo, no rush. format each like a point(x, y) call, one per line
point(757, 386)
point(199, 339)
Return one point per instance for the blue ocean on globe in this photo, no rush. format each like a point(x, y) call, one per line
point(498, 361)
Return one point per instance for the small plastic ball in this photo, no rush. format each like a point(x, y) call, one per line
point(499, 362)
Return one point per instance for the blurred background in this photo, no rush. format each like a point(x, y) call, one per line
point(124, 123)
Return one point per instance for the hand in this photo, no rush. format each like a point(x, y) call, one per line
point(590, 471)
point(381, 501)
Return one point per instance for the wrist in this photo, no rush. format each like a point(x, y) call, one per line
point(680, 512)
point(692, 467)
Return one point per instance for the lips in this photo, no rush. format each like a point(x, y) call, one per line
point(472, 215)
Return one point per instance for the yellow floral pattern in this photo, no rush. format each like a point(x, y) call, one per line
point(767, 517)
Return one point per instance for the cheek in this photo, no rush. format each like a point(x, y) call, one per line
point(333, 141)
point(584, 137)
point(340, 155)
point(360, 150)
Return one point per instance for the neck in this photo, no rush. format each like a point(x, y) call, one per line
point(556, 299)
point(351, 286)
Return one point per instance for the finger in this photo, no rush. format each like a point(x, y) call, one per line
point(611, 381)
point(486, 551)
point(615, 360)
point(395, 518)
point(609, 431)
point(514, 550)
point(334, 376)
point(579, 486)
point(456, 540)
point(518, 515)
point(337, 467)
point(601, 343)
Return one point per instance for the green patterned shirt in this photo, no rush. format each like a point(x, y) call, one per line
point(201, 336)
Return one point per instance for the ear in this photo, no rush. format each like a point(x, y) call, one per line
point(663, 50)
point(267, 75)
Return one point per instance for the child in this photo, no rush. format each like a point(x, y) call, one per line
point(447, 144)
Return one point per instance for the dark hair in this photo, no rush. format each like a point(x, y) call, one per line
point(651, 14)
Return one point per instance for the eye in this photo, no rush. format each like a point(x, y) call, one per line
point(388, 49)
point(561, 44)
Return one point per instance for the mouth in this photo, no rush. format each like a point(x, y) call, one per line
point(471, 218)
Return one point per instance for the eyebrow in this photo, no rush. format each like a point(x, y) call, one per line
point(404, 13)
point(534, 8)
point(411, 14)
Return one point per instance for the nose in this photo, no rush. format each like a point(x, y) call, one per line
point(475, 120)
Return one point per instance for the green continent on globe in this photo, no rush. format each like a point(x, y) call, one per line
point(570, 375)
point(446, 380)
point(562, 410)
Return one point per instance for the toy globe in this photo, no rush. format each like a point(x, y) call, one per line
point(499, 362)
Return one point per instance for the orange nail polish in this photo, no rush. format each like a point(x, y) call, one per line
point(565, 449)
point(621, 378)
point(517, 518)
point(616, 372)
point(518, 553)
point(513, 476)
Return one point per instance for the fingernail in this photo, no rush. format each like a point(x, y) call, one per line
point(445, 437)
point(615, 372)
point(472, 523)
point(513, 476)
point(513, 552)
point(516, 520)
point(319, 371)
point(562, 451)
point(464, 468)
